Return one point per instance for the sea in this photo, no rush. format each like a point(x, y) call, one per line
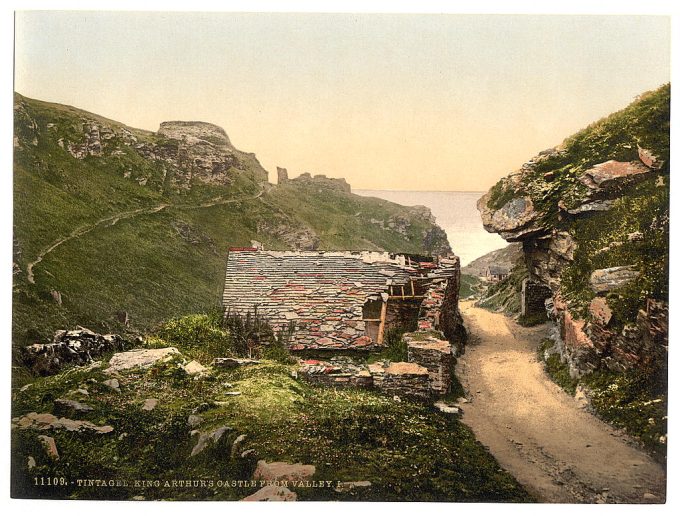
point(456, 213)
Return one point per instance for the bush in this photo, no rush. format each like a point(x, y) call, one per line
point(199, 336)
point(395, 347)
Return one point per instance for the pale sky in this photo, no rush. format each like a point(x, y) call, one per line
point(410, 102)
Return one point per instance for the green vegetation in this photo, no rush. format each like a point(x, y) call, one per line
point(468, 285)
point(407, 451)
point(605, 241)
point(164, 257)
point(505, 295)
point(557, 370)
point(395, 347)
point(633, 232)
point(634, 401)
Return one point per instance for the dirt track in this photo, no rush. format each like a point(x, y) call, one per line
point(558, 451)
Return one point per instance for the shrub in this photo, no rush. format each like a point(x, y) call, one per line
point(200, 336)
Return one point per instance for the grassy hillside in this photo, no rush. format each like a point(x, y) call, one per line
point(634, 231)
point(138, 231)
point(406, 451)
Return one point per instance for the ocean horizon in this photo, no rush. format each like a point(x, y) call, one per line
point(456, 213)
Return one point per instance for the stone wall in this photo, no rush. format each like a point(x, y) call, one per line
point(76, 347)
point(439, 309)
point(427, 372)
point(533, 297)
point(436, 356)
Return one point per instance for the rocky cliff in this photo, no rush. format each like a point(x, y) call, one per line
point(592, 217)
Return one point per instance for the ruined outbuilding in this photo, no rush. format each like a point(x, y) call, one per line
point(344, 299)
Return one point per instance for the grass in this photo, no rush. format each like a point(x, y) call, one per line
point(407, 451)
point(634, 401)
point(162, 265)
point(602, 238)
point(556, 369)
point(468, 285)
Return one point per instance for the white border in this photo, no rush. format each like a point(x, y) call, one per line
point(649, 7)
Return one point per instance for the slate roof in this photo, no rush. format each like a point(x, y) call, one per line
point(497, 270)
point(323, 293)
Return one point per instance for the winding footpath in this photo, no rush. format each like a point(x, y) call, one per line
point(111, 220)
point(557, 450)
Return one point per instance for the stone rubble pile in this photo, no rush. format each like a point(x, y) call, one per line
point(77, 347)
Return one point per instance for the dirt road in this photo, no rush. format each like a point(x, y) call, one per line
point(558, 451)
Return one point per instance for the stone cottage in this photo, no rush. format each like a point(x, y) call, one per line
point(343, 299)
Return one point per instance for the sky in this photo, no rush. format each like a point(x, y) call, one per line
point(401, 101)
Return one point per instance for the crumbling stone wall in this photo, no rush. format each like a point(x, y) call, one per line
point(435, 355)
point(76, 347)
point(406, 379)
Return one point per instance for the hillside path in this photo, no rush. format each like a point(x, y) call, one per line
point(111, 220)
point(557, 450)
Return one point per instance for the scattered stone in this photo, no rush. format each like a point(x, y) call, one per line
point(112, 384)
point(231, 363)
point(66, 405)
point(613, 172)
point(31, 463)
point(194, 368)
point(35, 421)
point(649, 159)
point(203, 407)
point(581, 397)
point(247, 453)
point(56, 296)
point(25, 387)
point(142, 358)
point(344, 487)
point(635, 236)
point(272, 493)
point(228, 385)
point(650, 497)
point(282, 471)
point(447, 409)
point(236, 445)
point(150, 404)
point(591, 207)
point(600, 311)
point(122, 436)
point(204, 439)
point(193, 420)
point(612, 278)
point(232, 393)
point(50, 446)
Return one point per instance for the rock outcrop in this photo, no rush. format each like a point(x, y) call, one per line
point(74, 347)
point(592, 218)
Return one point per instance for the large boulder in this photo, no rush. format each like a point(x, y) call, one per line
point(142, 358)
point(610, 173)
point(612, 278)
point(514, 221)
point(273, 471)
point(272, 493)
